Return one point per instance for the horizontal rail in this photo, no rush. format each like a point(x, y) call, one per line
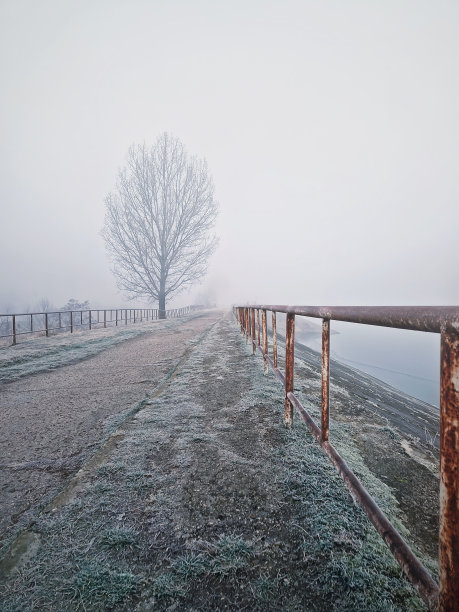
point(20, 324)
point(56, 312)
point(438, 319)
point(418, 318)
point(411, 565)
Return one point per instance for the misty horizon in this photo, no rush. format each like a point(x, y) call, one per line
point(330, 131)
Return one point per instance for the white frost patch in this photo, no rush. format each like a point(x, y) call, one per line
point(420, 457)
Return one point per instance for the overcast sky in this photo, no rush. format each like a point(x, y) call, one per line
point(331, 130)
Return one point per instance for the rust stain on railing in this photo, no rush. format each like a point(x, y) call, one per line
point(445, 320)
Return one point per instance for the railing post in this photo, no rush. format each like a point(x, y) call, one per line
point(14, 329)
point(289, 366)
point(265, 339)
point(105, 318)
point(258, 326)
point(449, 473)
point(134, 315)
point(31, 323)
point(46, 324)
point(325, 378)
point(81, 318)
point(274, 341)
point(125, 316)
point(247, 326)
point(254, 346)
point(116, 317)
point(71, 322)
point(90, 320)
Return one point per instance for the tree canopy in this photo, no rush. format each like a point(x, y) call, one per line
point(159, 221)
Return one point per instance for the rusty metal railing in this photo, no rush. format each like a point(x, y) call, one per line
point(20, 324)
point(444, 596)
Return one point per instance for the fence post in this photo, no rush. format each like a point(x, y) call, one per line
point(325, 378)
point(116, 317)
point(289, 366)
point(274, 340)
point(449, 473)
point(105, 318)
point(258, 326)
point(90, 320)
point(71, 322)
point(265, 339)
point(14, 329)
point(46, 324)
point(254, 345)
point(31, 323)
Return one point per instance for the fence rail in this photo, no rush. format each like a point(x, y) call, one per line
point(20, 324)
point(444, 320)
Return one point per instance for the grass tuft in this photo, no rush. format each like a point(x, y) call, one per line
point(99, 587)
point(120, 537)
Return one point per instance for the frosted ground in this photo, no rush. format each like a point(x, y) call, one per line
point(81, 389)
point(33, 355)
point(202, 500)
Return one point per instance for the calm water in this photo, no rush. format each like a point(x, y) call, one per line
point(406, 360)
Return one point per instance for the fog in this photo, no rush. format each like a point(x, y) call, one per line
point(330, 128)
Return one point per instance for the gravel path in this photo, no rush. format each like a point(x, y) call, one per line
point(51, 422)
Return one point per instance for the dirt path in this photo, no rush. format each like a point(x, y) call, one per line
point(51, 422)
point(202, 500)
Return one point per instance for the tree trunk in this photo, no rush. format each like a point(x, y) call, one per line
point(162, 305)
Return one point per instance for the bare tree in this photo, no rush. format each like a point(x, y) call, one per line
point(159, 219)
point(44, 305)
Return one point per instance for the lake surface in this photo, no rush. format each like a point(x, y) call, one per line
point(406, 360)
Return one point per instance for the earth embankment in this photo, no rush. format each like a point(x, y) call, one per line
point(202, 500)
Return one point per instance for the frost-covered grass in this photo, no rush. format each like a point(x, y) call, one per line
point(44, 354)
point(208, 502)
